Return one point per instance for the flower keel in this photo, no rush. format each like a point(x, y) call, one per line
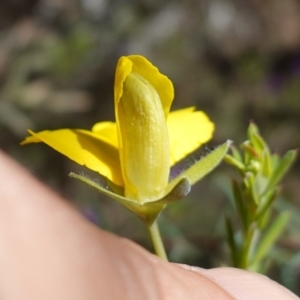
point(145, 154)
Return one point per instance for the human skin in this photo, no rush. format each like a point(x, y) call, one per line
point(49, 251)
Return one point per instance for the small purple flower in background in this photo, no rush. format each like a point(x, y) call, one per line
point(91, 215)
point(296, 65)
point(284, 68)
point(275, 82)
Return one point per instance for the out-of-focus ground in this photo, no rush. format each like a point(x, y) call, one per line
point(236, 60)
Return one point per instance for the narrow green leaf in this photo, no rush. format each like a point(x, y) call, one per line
point(93, 184)
point(239, 203)
point(281, 169)
point(252, 129)
point(266, 163)
point(260, 183)
point(233, 161)
point(247, 246)
point(236, 153)
point(231, 242)
point(259, 143)
point(265, 204)
point(263, 222)
point(249, 181)
point(270, 237)
point(251, 186)
point(202, 167)
point(275, 159)
point(254, 190)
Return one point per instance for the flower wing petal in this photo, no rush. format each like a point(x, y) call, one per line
point(107, 132)
point(124, 68)
point(85, 148)
point(161, 83)
point(188, 129)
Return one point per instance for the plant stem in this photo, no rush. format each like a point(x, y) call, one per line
point(158, 245)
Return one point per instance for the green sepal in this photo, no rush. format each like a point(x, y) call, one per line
point(281, 169)
point(201, 168)
point(148, 210)
point(180, 190)
point(270, 236)
point(130, 204)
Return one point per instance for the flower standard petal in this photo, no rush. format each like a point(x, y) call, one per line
point(161, 83)
point(85, 148)
point(188, 130)
point(123, 69)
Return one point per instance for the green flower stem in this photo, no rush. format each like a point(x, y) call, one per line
point(158, 245)
point(248, 245)
point(248, 252)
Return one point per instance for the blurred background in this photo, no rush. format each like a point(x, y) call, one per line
point(236, 60)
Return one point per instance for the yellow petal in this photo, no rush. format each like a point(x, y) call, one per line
point(161, 83)
point(107, 132)
point(85, 148)
point(188, 130)
point(145, 154)
point(141, 66)
point(124, 68)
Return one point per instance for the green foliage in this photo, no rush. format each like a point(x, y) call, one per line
point(254, 193)
point(66, 55)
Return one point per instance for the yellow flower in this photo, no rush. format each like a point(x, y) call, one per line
point(137, 151)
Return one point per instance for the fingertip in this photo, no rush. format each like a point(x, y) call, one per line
point(245, 285)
